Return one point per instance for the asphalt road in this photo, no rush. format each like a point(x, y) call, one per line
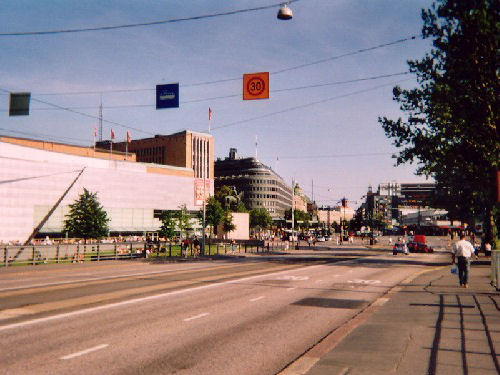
point(245, 316)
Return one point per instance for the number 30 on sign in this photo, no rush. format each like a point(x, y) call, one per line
point(256, 86)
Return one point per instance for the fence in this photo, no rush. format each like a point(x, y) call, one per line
point(79, 253)
point(495, 269)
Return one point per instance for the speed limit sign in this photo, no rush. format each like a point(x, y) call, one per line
point(256, 86)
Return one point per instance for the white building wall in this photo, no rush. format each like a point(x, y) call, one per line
point(32, 180)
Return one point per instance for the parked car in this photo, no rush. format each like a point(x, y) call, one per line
point(320, 239)
point(418, 247)
point(400, 247)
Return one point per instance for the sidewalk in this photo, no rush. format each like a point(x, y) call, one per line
point(427, 326)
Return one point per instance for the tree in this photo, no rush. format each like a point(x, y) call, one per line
point(183, 219)
point(260, 217)
point(86, 218)
point(229, 199)
point(451, 125)
point(299, 216)
point(227, 222)
point(214, 213)
point(168, 223)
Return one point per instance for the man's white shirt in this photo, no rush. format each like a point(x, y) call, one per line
point(463, 248)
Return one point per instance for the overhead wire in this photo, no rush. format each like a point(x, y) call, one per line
point(142, 24)
point(86, 114)
point(352, 53)
point(305, 105)
point(120, 106)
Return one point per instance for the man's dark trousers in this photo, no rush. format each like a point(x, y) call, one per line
point(463, 270)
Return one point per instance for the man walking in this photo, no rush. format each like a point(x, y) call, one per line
point(462, 252)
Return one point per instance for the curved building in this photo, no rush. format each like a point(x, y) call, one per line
point(261, 186)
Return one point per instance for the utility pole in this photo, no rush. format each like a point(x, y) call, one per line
point(100, 121)
point(293, 209)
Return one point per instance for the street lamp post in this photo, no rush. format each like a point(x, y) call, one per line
point(293, 208)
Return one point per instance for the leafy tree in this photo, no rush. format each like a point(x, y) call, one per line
point(229, 199)
point(168, 220)
point(451, 125)
point(227, 222)
point(86, 218)
point(299, 215)
point(260, 217)
point(183, 219)
point(214, 213)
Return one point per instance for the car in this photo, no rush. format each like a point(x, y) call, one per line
point(400, 247)
point(320, 239)
point(418, 247)
point(328, 238)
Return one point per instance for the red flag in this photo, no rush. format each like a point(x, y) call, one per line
point(209, 113)
point(112, 134)
point(129, 140)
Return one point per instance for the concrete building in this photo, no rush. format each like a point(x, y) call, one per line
point(34, 175)
point(241, 221)
point(186, 149)
point(396, 202)
point(328, 215)
point(261, 186)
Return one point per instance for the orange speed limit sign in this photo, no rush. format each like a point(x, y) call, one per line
point(256, 86)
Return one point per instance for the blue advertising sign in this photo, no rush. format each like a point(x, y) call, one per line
point(167, 96)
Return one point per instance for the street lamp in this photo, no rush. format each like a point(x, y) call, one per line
point(285, 13)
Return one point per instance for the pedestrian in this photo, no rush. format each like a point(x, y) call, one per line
point(185, 247)
point(196, 247)
point(461, 253)
point(233, 243)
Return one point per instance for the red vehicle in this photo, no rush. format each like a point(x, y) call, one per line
point(419, 247)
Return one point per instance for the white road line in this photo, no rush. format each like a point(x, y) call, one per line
point(318, 281)
point(92, 279)
point(290, 289)
point(86, 351)
point(196, 317)
point(256, 299)
point(143, 299)
point(380, 301)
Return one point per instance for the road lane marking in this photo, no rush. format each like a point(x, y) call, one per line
point(148, 298)
point(104, 297)
point(196, 317)
point(293, 278)
point(256, 299)
point(318, 281)
point(111, 277)
point(364, 282)
point(86, 351)
point(290, 289)
point(380, 301)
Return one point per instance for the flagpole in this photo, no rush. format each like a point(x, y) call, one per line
point(95, 131)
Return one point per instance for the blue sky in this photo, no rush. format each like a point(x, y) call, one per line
point(328, 134)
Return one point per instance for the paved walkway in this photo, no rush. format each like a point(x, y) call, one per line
point(427, 326)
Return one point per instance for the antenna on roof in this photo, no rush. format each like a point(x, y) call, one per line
point(256, 144)
point(100, 121)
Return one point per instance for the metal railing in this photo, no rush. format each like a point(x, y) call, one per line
point(495, 269)
point(15, 255)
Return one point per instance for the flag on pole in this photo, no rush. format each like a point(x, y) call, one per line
point(112, 134)
point(209, 114)
point(95, 131)
point(129, 139)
